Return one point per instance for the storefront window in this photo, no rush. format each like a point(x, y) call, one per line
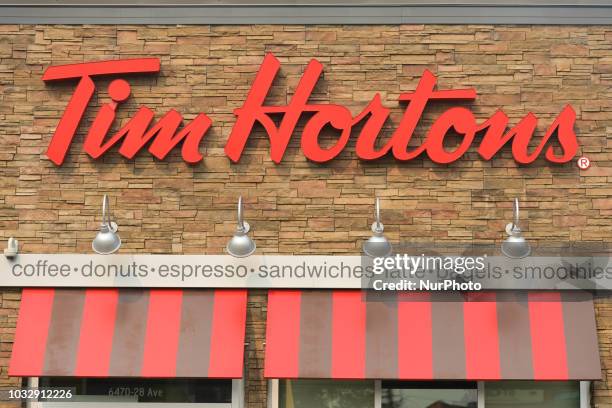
point(326, 394)
point(397, 394)
point(532, 394)
point(144, 390)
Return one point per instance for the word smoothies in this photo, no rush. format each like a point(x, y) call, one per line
point(164, 135)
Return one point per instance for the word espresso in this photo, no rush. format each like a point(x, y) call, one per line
point(163, 136)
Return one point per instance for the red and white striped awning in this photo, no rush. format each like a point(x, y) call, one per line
point(130, 333)
point(346, 334)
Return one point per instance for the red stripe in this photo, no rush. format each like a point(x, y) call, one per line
point(97, 329)
point(547, 336)
point(482, 361)
point(415, 358)
point(283, 334)
point(162, 335)
point(348, 334)
point(227, 334)
point(30, 342)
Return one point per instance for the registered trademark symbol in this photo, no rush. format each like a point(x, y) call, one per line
point(583, 163)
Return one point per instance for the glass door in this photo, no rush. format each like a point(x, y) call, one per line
point(434, 394)
point(325, 394)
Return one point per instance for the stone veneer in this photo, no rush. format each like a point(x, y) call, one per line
point(299, 207)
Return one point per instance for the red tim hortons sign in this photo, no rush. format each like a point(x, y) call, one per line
point(163, 135)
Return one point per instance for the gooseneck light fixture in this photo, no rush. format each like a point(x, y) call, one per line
point(515, 246)
point(106, 241)
point(377, 246)
point(241, 245)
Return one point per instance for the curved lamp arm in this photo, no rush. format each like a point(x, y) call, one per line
point(377, 212)
point(516, 211)
point(106, 214)
point(240, 222)
point(377, 225)
point(106, 219)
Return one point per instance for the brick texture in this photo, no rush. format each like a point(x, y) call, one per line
point(299, 206)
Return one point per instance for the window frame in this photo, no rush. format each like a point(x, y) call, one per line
point(273, 387)
point(237, 400)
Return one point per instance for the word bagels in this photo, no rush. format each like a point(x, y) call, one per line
point(163, 135)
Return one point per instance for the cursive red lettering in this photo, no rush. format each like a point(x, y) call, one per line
point(521, 134)
point(460, 119)
point(366, 142)
point(417, 101)
point(337, 116)
point(64, 133)
point(253, 110)
point(164, 135)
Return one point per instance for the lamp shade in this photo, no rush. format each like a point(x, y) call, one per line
point(377, 246)
point(107, 240)
point(516, 247)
